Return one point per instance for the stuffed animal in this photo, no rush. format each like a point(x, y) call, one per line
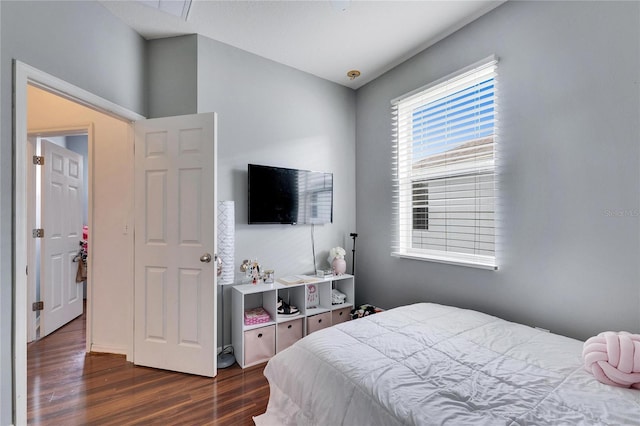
point(364, 310)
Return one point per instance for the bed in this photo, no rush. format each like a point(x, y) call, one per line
point(429, 364)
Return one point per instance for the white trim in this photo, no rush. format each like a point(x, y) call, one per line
point(481, 63)
point(32, 325)
point(23, 75)
point(80, 129)
point(449, 260)
point(130, 319)
point(73, 93)
point(20, 247)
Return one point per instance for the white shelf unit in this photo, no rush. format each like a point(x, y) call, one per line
point(256, 343)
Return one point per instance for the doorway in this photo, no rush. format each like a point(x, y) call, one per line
point(28, 77)
point(174, 170)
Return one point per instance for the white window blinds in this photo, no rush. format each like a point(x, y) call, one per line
point(444, 169)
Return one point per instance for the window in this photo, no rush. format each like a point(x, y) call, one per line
point(444, 138)
point(420, 205)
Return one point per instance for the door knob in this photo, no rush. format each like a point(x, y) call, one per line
point(205, 258)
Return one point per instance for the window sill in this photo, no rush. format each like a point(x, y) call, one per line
point(460, 260)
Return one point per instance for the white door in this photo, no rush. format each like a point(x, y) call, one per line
point(61, 219)
point(175, 235)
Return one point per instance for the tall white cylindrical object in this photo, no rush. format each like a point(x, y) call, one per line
point(226, 241)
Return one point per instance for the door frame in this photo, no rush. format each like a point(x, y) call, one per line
point(24, 75)
point(80, 129)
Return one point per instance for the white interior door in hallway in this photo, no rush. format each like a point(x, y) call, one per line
point(61, 192)
point(175, 223)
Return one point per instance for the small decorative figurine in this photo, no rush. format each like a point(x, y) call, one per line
point(252, 270)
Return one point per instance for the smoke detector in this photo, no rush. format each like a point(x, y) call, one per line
point(353, 74)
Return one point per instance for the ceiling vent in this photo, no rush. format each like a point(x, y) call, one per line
point(179, 8)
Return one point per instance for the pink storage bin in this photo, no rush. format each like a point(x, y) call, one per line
point(256, 316)
point(259, 345)
point(288, 333)
point(318, 322)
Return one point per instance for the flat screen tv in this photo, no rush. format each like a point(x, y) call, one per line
point(289, 196)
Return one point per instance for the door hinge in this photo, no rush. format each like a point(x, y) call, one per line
point(37, 306)
point(38, 160)
point(38, 233)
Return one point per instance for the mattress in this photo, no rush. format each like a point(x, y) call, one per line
point(429, 364)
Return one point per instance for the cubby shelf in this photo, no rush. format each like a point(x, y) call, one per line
point(257, 343)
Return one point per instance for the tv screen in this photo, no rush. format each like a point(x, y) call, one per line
point(289, 196)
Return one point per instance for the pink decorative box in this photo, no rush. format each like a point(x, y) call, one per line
point(256, 316)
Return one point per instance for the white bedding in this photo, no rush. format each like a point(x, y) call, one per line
point(428, 364)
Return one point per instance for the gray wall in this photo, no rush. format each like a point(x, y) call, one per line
point(271, 114)
point(171, 78)
point(82, 43)
point(568, 243)
point(275, 115)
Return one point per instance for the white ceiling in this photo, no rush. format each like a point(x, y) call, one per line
point(314, 36)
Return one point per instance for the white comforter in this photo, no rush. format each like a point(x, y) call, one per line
point(428, 364)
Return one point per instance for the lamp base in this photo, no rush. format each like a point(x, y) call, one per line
point(226, 360)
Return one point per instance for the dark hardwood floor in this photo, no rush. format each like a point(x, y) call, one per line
point(67, 386)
